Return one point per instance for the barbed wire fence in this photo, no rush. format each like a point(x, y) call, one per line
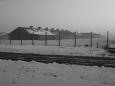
point(58, 41)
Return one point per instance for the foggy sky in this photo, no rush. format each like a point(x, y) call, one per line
point(75, 15)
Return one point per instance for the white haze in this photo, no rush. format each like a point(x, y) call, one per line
point(75, 15)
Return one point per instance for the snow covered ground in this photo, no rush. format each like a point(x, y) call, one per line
point(22, 73)
point(53, 50)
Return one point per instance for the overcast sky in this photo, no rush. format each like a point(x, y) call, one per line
point(75, 15)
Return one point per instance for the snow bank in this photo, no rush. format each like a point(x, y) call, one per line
point(55, 50)
point(38, 74)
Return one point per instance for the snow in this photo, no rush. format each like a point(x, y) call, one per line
point(22, 73)
point(39, 32)
point(55, 50)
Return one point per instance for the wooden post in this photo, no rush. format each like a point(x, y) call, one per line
point(75, 39)
point(59, 38)
point(107, 39)
point(10, 39)
point(91, 39)
point(45, 38)
point(0, 38)
point(33, 38)
point(21, 41)
point(31, 27)
point(97, 44)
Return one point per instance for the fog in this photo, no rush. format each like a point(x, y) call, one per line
point(75, 15)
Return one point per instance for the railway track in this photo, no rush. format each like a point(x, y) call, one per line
point(62, 59)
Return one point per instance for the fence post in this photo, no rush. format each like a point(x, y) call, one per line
point(107, 39)
point(10, 39)
point(97, 44)
point(33, 38)
point(0, 38)
point(45, 38)
point(91, 40)
point(59, 38)
point(21, 41)
point(75, 39)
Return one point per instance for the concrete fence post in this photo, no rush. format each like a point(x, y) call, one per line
point(10, 38)
point(107, 39)
point(0, 39)
point(75, 39)
point(59, 38)
point(33, 38)
point(91, 40)
point(21, 41)
point(97, 44)
point(45, 38)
